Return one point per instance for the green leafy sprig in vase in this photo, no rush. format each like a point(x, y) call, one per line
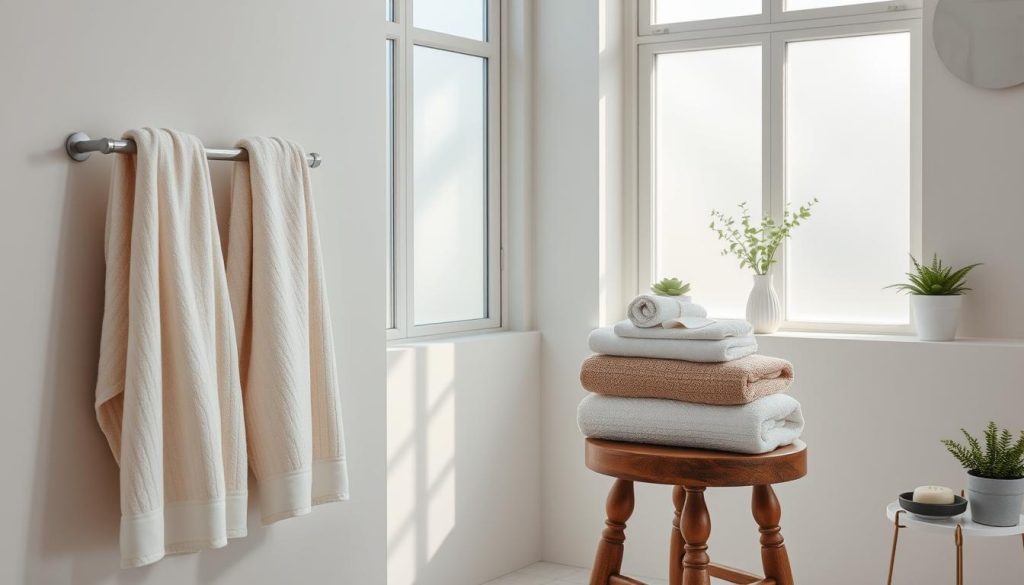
point(755, 245)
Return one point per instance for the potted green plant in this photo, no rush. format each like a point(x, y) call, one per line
point(995, 475)
point(672, 287)
point(936, 295)
point(755, 245)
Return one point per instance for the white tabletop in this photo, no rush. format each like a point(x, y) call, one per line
point(970, 528)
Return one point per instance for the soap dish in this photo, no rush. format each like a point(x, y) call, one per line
point(959, 506)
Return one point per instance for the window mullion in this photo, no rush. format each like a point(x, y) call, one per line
point(775, 187)
point(407, 226)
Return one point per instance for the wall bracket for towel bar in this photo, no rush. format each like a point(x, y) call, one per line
point(79, 146)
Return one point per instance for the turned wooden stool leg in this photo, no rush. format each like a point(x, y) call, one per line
point(675, 561)
point(696, 529)
point(609, 551)
point(767, 513)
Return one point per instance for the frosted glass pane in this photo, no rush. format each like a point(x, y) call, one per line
point(667, 11)
point(389, 172)
point(449, 186)
point(848, 144)
point(707, 156)
point(464, 18)
point(807, 4)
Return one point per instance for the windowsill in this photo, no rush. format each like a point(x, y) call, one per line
point(891, 338)
point(456, 338)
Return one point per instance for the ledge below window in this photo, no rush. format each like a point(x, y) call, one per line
point(974, 341)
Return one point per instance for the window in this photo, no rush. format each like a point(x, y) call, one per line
point(443, 270)
point(774, 103)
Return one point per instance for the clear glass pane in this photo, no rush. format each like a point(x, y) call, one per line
point(668, 11)
point(707, 133)
point(808, 4)
point(389, 10)
point(848, 144)
point(449, 186)
point(389, 172)
point(464, 18)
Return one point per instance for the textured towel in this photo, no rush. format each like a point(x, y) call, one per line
point(716, 330)
point(653, 310)
point(605, 341)
point(759, 427)
point(167, 391)
point(736, 382)
point(286, 353)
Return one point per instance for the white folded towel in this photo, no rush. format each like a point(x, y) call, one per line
point(605, 341)
point(167, 390)
point(286, 351)
point(653, 310)
point(757, 427)
point(716, 330)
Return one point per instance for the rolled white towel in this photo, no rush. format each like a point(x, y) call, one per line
point(605, 341)
point(714, 331)
point(758, 427)
point(653, 310)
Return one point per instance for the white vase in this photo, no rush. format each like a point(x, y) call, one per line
point(763, 309)
point(936, 316)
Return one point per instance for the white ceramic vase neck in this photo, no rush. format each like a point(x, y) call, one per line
point(763, 308)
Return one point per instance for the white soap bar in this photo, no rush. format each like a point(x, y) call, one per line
point(933, 494)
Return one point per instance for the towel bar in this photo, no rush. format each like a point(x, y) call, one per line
point(79, 146)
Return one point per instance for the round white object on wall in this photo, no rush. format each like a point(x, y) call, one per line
point(981, 41)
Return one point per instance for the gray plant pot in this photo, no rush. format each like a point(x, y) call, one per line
point(995, 502)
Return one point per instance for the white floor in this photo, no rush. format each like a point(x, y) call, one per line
point(552, 574)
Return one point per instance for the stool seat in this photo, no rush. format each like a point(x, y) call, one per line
point(695, 467)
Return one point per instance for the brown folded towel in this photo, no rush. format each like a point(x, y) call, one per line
point(736, 382)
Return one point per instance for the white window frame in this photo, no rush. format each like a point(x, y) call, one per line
point(771, 30)
point(405, 37)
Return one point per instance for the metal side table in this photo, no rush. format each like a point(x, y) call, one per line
point(959, 526)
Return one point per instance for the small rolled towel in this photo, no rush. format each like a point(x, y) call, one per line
point(758, 427)
point(653, 310)
point(736, 382)
point(605, 341)
point(716, 330)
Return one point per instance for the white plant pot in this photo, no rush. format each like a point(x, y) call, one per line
point(995, 502)
point(763, 309)
point(936, 316)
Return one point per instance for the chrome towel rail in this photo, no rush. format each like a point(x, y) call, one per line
point(79, 146)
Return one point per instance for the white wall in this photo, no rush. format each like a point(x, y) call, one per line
point(876, 408)
point(566, 251)
point(974, 190)
point(463, 459)
point(220, 70)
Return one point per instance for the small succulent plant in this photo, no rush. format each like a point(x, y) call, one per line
point(935, 279)
point(670, 287)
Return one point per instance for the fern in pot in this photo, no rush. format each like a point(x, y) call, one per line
point(936, 294)
point(995, 475)
point(755, 245)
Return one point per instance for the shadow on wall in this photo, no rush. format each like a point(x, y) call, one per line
point(75, 510)
point(421, 458)
point(463, 460)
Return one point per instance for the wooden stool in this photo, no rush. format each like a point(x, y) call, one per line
point(691, 471)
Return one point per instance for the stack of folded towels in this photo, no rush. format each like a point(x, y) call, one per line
point(670, 376)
